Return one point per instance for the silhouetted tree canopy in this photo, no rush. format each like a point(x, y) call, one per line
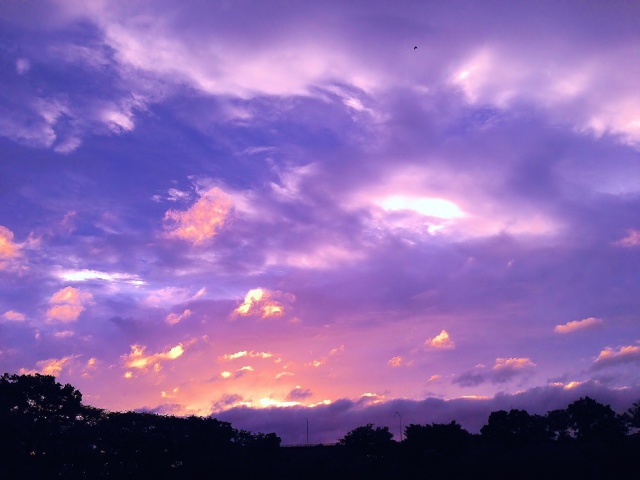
point(515, 427)
point(445, 438)
point(368, 440)
point(47, 432)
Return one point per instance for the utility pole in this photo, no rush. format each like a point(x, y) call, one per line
point(400, 417)
point(307, 420)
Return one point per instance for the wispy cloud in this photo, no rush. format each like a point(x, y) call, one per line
point(632, 239)
point(140, 360)
point(175, 318)
point(575, 325)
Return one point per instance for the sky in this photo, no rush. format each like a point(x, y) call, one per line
point(336, 212)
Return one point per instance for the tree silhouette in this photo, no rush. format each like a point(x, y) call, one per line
point(515, 428)
point(446, 438)
point(589, 419)
point(368, 440)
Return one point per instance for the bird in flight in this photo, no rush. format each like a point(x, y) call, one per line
point(415, 47)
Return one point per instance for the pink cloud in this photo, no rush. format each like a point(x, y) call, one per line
point(67, 304)
point(395, 362)
point(575, 325)
point(631, 240)
point(13, 316)
point(202, 221)
point(174, 318)
point(624, 354)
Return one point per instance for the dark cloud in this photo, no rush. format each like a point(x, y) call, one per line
point(299, 394)
point(329, 423)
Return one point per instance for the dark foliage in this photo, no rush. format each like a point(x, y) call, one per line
point(46, 432)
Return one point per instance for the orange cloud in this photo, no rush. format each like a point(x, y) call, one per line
point(202, 221)
point(624, 354)
point(140, 360)
point(8, 249)
point(68, 304)
point(259, 302)
point(174, 318)
point(52, 366)
point(578, 325)
point(441, 341)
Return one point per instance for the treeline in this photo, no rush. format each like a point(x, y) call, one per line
point(47, 432)
point(586, 440)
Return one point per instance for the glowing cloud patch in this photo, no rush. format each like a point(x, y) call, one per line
point(174, 318)
point(429, 207)
point(68, 304)
point(140, 360)
point(8, 249)
point(245, 353)
point(575, 325)
point(52, 366)
point(202, 221)
point(14, 316)
point(259, 302)
point(441, 341)
point(624, 354)
point(84, 275)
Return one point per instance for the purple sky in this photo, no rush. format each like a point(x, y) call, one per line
point(268, 211)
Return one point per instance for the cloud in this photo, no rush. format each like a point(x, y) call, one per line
point(67, 304)
point(503, 370)
point(298, 394)
point(8, 249)
point(13, 316)
point(174, 318)
point(85, 275)
point(609, 356)
point(245, 353)
point(139, 359)
point(441, 341)
point(52, 366)
point(584, 324)
point(395, 361)
point(202, 221)
point(259, 302)
point(506, 368)
point(22, 66)
point(631, 240)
